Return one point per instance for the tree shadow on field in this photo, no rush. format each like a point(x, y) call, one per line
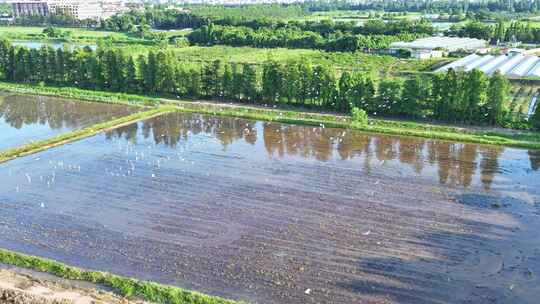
point(489, 263)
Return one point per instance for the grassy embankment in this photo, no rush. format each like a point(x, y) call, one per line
point(529, 140)
point(127, 287)
point(42, 145)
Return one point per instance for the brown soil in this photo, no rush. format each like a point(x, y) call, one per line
point(19, 288)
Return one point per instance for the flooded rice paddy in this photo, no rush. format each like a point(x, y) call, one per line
point(273, 213)
point(25, 118)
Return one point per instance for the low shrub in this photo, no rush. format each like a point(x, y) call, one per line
point(359, 117)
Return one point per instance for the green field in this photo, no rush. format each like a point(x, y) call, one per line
point(378, 64)
point(173, 33)
point(77, 34)
point(195, 54)
point(358, 16)
point(348, 16)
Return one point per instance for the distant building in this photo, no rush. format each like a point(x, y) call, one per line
point(29, 8)
point(435, 47)
point(80, 9)
point(89, 9)
point(112, 7)
point(426, 54)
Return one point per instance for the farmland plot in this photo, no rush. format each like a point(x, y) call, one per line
point(274, 213)
point(25, 118)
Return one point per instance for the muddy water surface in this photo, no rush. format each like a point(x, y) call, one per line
point(272, 213)
point(25, 118)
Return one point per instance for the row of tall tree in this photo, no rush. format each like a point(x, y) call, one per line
point(328, 26)
point(292, 38)
point(500, 32)
point(443, 6)
point(256, 17)
point(471, 97)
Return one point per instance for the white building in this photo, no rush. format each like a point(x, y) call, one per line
point(89, 9)
point(434, 47)
point(426, 54)
point(27, 7)
point(80, 9)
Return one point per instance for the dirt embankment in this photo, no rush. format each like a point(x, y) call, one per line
point(18, 288)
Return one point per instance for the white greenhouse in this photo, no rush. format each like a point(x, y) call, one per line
point(511, 65)
point(445, 43)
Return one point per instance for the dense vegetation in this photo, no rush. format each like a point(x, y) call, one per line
point(5, 9)
point(264, 32)
point(427, 6)
point(291, 38)
point(267, 11)
point(501, 32)
point(276, 26)
point(456, 96)
point(154, 18)
point(535, 119)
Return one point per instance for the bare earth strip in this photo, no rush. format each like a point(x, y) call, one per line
point(22, 287)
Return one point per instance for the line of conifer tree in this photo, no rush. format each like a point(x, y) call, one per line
point(471, 97)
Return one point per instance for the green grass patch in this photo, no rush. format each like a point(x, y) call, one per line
point(42, 145)
point(127, 287)
point(76, 32)
point(523, 140)
point(35, 33)
point(71, 92)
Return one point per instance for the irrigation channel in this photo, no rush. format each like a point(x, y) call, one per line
point(30, 118)
point(274, 213)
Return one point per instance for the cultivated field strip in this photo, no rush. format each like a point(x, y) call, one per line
point(270, 213)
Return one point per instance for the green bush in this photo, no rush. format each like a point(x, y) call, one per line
point(535, 119)
point(359, 116)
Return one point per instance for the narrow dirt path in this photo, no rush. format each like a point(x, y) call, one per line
point(18, 286)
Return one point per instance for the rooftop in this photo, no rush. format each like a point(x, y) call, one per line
point(516, 66)
point(448, 43)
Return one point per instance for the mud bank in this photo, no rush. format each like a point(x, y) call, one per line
point(19, 288)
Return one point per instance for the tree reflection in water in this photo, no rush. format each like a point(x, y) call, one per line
point(456, 163)
point(21, 110)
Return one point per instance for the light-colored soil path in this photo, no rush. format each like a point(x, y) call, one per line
point(18, 286)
